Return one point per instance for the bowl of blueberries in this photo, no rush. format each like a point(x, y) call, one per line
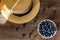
point(47, 28)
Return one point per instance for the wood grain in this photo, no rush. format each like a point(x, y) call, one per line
point(11, 31)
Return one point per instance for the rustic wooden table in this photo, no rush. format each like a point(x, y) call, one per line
point(50, 9)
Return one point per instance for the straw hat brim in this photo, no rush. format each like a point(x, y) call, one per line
point(20, 20)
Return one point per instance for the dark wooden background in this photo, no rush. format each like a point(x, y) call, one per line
point(49, 9)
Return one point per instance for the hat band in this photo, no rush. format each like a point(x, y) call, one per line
point(19, 15)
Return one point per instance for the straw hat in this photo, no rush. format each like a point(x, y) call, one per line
point(20, 11)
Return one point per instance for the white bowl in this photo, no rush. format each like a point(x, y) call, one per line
point(51, 35)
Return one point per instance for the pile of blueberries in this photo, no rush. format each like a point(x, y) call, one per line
point(47, 28)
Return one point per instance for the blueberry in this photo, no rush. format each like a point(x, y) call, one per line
point(41, 32)
point(40, 25)
point(49, 34)
point(43, 23)
point(46, 35)
point(52, 32)
point(40, 28)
